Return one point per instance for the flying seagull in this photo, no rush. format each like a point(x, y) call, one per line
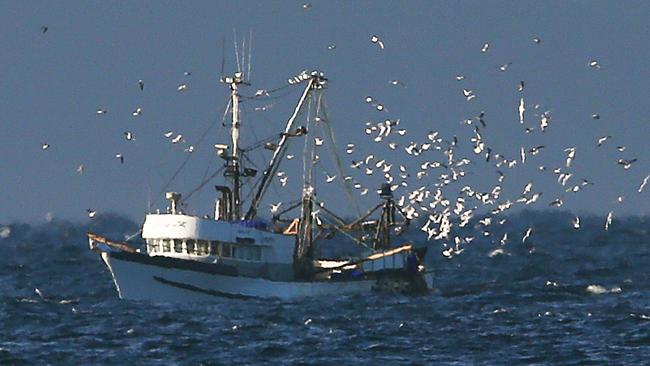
point(643, 184)
point(375, 39)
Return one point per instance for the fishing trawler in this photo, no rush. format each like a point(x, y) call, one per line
point(235, 253)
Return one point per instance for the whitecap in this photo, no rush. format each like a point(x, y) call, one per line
point(598, 290)
point(497, 251)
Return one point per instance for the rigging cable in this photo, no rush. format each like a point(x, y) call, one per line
point(337, 158)
point(187, 158)
point(205, 181)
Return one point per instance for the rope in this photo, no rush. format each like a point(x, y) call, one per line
point(187, 158)
point(337, 159)
point(203, 183)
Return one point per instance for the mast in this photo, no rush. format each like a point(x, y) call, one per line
point(303, 254)
point(232, 167)
point(316, 80)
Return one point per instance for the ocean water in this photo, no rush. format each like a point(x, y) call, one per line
point(568, 297)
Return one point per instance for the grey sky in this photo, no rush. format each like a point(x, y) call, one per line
point(94, 52)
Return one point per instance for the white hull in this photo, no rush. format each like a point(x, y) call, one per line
point(139, 281)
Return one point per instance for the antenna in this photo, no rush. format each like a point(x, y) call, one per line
point(250, 51)
point(243, 54)
point(223, 55)
point(234, 32)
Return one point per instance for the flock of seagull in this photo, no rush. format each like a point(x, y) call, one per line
point(431, 200)
point(442, 212)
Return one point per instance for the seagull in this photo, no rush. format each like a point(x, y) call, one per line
point(460, 77)
point(396, 82)
point(263, 108)
point(349, 149)
point(177, 139)
point(189, 149)
point(261, 93)
point(527, 235)
point(594, 64)
point(376, 40)
point(522, 110)
point(331, 46)
point(141, 84)
point(571, 153)
point(39, 293)
point(181, 87)
point(44, 29)
point(527, 188)
point(535, 150)
point(595, 116)
point(602, 140)
point(520, 86)
point(120, 157)
point(469, 94)
point(368, 99)
point(45, 146)
point(91, 213)
point(169, 134)
point(620, 148)
point(80, 169)
point(544, 119)
point(485, 47)
point(505, 66)
point(557, 202)
point(576, 223)
point(289, 157)
point(318, 141)
point(643, 184)
point(329, 179)
point(187, 73)
point(609, 220)
point(101, 111)
point(275, 207)
point(128, 135)
point(137, 112)
point(626, 163)
point(537, 40)
point(306, 6)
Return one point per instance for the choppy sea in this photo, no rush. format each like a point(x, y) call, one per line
point(565, 297)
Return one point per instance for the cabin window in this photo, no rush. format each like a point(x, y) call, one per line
point(203, 247)
point(178, 246)
point(214, 247)
point(167, 245)
point(227, 250)
point(190, 246)
point(249, 253)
